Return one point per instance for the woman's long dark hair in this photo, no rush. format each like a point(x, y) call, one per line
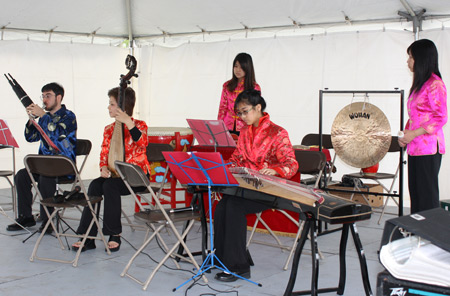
point(425, 56)
point(246, 62)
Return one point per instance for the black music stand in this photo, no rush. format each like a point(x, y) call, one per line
point(211, 133)
point(203, 169)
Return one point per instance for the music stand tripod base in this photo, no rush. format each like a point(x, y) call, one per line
point(203, 169)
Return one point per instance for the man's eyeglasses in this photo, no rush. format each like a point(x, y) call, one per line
point(47, 96)
point(244, 112)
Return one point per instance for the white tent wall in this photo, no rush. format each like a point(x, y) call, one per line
point(186, 82)
point(86, 72)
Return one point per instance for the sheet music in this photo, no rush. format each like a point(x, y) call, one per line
point(418, 260)
point(6, 137)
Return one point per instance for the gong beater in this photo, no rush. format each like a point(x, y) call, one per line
point(361, 134)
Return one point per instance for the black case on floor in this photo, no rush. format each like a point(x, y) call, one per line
point(387, 285)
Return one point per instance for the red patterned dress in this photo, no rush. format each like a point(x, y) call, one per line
point(226, 106)
point(266, 146)
point(135, 152)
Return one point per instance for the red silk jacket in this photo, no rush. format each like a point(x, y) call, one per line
point(135, 152)
point(266, 146)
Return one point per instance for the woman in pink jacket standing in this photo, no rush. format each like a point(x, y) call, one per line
point(243, 79)
point(423, 135)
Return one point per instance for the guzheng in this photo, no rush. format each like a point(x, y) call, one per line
point(287, 195)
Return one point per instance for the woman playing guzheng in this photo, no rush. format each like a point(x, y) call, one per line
point(135, 145)
point(243, 79)
point(262, 146)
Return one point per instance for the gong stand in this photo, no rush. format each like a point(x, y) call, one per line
point(400, 93)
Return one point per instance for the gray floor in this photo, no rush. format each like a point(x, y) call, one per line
point(99, 273)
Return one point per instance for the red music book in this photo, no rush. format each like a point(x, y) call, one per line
point(6, 137)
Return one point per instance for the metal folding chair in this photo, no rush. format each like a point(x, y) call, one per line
point(56, 166)
point(143, 199)
point(156, 220)
point(7, 174)
point(314, 140)
point(310, 163)
point(379, 177)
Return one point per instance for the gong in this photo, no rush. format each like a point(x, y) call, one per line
point(361, 134)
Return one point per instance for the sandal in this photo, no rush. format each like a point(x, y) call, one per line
point(116, 239)
point(89, 244)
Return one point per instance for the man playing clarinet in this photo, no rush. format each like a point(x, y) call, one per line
point(60, 125)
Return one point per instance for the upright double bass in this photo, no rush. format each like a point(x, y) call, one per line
point(117, 145)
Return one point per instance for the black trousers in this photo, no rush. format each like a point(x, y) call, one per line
point(46, 185)
point(230, 230)
point(111, 189)
point(423, 181)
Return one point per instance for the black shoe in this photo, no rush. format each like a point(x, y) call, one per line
point(114, 238)
point(24, 221)
point(49, 228)
point(228, 277)
point(89, 244)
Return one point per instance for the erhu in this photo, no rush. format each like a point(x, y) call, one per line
point(117, 145)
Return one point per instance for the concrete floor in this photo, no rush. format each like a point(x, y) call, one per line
point(99, 273)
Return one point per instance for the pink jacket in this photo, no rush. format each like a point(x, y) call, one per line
point(427, 108)
point(267, 146)
point(226, 107)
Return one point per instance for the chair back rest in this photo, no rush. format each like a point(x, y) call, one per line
point(314, 139)
point(394, 147)
point(83, 147)
point(132, 174)
point(50, 165)
point(154, 151)
point(310, 162)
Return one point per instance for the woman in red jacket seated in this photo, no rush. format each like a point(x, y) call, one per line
point(111, 188)
point(262, 146)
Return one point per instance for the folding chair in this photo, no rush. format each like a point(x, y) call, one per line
point(310, 163)
point(7, 174)
point(57, 166)
point(314, 140)
point(142, 203)
point(83, 148)
point(156, 219)
point(379, 177)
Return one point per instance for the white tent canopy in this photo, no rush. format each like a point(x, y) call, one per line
point(153, 21)
point(181, 71)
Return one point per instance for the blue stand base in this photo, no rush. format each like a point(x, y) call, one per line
point(209, 264)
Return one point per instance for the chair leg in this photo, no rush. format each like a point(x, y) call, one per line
point(294, 246)
point(258, 215)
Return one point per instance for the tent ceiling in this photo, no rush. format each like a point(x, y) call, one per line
point(152, 18)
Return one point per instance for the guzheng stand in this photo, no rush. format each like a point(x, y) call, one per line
point(310, 225)
point(203, 169)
